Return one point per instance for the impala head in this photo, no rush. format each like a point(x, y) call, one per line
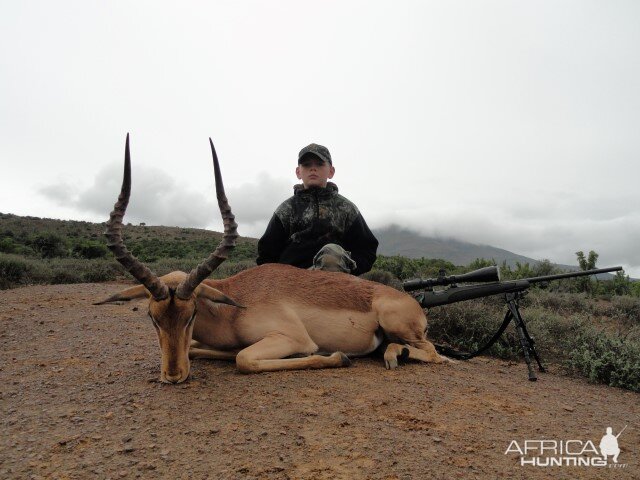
point(172, 297)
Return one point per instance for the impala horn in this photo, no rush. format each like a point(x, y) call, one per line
point(228, 242)
point(135, 267)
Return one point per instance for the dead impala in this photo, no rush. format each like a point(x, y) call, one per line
point(265, 315)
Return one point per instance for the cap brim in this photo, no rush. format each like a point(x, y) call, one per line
point(307, 154)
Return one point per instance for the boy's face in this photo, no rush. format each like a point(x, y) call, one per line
point(314, 172)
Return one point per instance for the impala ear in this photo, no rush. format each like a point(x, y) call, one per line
point(125, 295)
point(216, 296)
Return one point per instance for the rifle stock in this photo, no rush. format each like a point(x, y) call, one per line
point(469, 292)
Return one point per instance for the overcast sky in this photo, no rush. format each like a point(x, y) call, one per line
point(509, 123)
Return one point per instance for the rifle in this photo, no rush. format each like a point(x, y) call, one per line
point(513, 291)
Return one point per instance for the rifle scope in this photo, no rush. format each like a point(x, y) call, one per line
point(486, 274)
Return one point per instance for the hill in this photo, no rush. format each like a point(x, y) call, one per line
point(152, 242)
point(395, 240)
point(21, 235)
point(71, 238)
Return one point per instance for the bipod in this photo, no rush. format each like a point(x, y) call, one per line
point(528, 345)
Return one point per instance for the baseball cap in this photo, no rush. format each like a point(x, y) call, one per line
point(314, 149)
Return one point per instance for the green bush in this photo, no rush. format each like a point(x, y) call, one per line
point(406, 268)
point(562, 327)
point(167, 265)
point(628, 308)
point(102, 271)
point(13, 271)
point(10, 245)
point(49, 245)
point(66, 276)
point(469, 325)
point(228, 269)
point(561, 302)
point(607, 358)
point(90, 249)
point(16, 271)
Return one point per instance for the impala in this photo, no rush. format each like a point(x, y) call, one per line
point(267, 318)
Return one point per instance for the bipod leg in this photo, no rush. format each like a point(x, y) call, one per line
point(528, 345)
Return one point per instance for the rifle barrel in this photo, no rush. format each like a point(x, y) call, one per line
point(582, 273)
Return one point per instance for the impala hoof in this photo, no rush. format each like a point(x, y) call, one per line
point(344, 360)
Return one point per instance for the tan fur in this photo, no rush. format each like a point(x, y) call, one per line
point(286, 312)
point(332, 290)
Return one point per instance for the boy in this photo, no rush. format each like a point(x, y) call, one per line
point(317, 227)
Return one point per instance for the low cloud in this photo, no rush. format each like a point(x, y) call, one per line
point(556, 238)
point(157, 199)
point(254, 203)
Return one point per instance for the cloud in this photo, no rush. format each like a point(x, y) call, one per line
point(60, 193)
point(158, 199)
point(256, 201)
point(556, 237)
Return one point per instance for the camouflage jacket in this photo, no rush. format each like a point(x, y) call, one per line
point(310, 219)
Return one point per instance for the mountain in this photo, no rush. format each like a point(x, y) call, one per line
point(395, 240)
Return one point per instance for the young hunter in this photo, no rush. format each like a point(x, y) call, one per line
point(317, 227)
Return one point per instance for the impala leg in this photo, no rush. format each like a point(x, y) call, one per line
point(428, 348)
point(211, 353)
point(423, 351)
point(426, 354)
point(268, 354)
point(392, 353)
point(407, 326)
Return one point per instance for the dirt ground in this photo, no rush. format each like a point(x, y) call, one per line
point(80, 399)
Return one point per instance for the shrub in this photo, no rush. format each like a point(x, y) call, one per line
point(562, 327)
point(49, 245)
point(90, 249)
point(628, 308)
point(168, 265)
point(559, 302)
point(16, 271)
point(607, 358)
point(383, 277)
point(13, 271)
point(406, 268)
point(232, 268)
point(101, 271)
point(9, 245)
point(66, 276)
point(469, 325)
